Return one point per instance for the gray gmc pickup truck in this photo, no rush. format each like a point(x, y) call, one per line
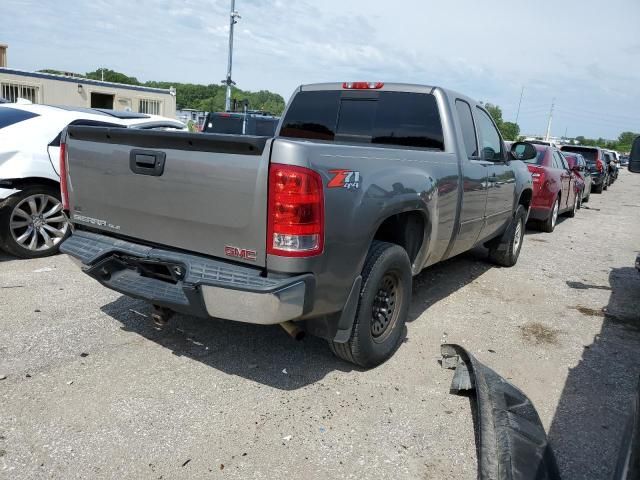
point(319, 229)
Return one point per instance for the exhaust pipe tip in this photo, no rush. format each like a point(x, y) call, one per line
point(293, 330)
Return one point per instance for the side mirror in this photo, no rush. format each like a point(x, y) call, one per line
point(523, 151)
point(634, 158)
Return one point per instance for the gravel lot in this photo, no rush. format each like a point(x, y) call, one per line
point(93, 390)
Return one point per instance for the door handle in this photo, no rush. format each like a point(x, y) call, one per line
point(147, 162)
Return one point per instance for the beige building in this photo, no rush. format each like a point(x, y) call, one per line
point(80, 92)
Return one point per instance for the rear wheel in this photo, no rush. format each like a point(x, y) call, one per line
point(507, 251)
point(597, 189)
point(382, 308)
point(550, 223)
point(32, 223)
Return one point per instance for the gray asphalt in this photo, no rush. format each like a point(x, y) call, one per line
point(93, 390)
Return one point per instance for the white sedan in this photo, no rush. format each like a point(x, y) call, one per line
point(32, 223)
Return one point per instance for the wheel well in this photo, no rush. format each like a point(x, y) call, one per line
point(404, 229)
point(525, 198)
point(22, 183)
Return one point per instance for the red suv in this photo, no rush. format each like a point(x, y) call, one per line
point(555, 187)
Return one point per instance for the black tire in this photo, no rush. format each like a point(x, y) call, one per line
point(549, 224)
point(373, 341)
point(572, 213)
point(9, 241)
point(597, 189)
point(506, 252)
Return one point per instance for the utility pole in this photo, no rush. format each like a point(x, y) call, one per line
point(102, 71)
point(519, 104)
point(548, 136)
point(233, 19)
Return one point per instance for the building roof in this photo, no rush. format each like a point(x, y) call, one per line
point(76, 80)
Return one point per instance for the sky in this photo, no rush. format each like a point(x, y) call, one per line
point(584, 54)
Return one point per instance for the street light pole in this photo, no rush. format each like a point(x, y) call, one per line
point(233, 19)
point(519, 105)
point(548, 136)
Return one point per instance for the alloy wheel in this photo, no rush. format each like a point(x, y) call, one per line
point(38, 223)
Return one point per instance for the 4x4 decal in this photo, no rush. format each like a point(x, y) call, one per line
point(349, 179)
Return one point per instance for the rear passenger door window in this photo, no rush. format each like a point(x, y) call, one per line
point(490, 141)
point(468, 128)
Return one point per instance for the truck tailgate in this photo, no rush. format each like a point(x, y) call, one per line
point(197, 192)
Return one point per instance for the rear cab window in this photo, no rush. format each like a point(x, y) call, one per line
point(390, 118)
point(10, 116)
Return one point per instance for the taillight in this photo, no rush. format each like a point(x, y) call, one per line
point(599, 165)
point(362, 85)
point(64, 190)
point(295, 224)
point(537, 173)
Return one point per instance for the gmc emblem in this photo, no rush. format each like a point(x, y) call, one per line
point(243, 253)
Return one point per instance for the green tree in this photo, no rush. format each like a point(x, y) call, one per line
point(625, 140)
point(112, 76)
point(495, 112)
point(510, 131)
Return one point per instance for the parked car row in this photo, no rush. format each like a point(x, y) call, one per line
point(563, 179)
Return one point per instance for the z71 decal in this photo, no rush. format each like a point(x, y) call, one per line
point(348, 179)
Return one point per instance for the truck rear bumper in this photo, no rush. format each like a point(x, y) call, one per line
point(189, 283)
